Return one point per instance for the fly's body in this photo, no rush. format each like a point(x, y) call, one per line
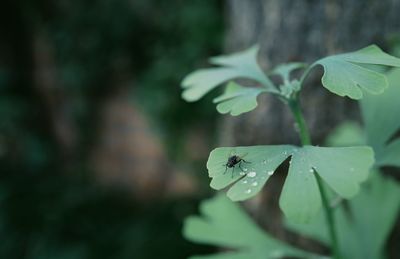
point(233, 161)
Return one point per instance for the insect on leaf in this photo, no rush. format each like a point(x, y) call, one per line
point(238, 99)
point(239, 65)
point(224, 224)
point(347, 74)
point(342, 168)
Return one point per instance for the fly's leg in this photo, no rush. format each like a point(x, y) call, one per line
point(226, 168)
point(240, 166)
point(245, 161)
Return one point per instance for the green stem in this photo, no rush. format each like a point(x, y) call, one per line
point(329, 218)
point(305, 140)
point(301, 123)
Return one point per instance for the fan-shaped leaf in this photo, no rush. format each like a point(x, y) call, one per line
point(225, 224)
point(341, 168)
point(239, 65)
point(345, 74)
point(284, 70)
point(238, 99)
point(347, 134)
point(382, 121)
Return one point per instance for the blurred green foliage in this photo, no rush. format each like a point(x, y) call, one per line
point(49, 207)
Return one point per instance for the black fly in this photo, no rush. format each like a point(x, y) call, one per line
point(233, 161)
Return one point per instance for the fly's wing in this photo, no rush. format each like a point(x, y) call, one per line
point(244, 155)
point(232, 153)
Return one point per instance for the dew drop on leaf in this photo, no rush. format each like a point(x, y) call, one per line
point(270, 172)
point(248, 191)
point(252, 174)
point(255, 184)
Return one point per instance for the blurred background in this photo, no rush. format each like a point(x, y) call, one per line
point(100, 157)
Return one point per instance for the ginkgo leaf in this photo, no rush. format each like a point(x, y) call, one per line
point(284, 70)
point(362, 233)
point(239, 65)
point(224, 224)
point(390, 156)
point(342, 168)
point(346, 75)
point(238, 99)
point(382, 121)
point(347, 134)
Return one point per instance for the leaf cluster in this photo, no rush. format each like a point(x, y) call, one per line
point(343, 168)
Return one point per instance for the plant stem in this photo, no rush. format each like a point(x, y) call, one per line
point(305, 140)
point(301, 123)
point(329, 218)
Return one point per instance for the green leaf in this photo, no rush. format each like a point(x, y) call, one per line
point(341, 168)
point(382, 121)
point(289, 89)
point(284, 70)
point(345, 135)
point(238, 99)
point(346, 75)
point(363, 233)
point(239, 65)
point(390, 156)
point(224, 224)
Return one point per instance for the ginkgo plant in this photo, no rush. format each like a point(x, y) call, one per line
point(315, 173)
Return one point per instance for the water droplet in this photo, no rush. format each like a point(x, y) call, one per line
point(245, 181)
point(264, 162)
point(242, 173)
point(277, 254)
point(248, 191)
point(270, 172)
point(252, 174)
point(285, 153)
point(311, 171)
point(245, 169)
point(255, 184)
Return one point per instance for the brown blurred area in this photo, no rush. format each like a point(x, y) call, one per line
point(131, 154)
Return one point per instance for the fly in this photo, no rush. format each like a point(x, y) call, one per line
point(233, 161)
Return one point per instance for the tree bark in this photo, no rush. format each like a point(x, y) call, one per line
point(300, 31)
point(304, 31)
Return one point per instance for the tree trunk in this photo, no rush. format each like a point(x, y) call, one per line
point(300, 31)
